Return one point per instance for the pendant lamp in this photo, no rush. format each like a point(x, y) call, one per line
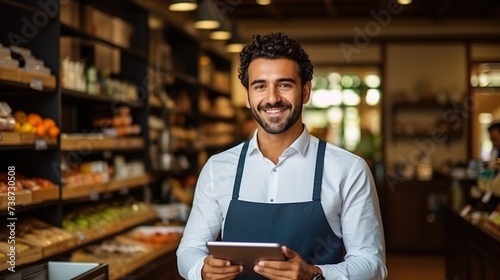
point(236, 43)
point(207, 15)
point(182, 5)
point(223, 32)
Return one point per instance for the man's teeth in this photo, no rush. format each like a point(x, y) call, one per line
point(274, 110)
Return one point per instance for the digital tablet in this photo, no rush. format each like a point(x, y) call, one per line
point(246, 253)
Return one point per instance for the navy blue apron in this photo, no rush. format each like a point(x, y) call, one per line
point(301, 226)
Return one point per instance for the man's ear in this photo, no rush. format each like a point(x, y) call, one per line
point(306, 92)
point(247, 102)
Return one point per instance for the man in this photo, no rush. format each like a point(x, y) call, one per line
point(494, 131)
point(284, 185)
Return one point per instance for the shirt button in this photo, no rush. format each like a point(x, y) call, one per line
point(272, 200)
point(274, 170)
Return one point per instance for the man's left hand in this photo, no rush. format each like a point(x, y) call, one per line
point(294, 268)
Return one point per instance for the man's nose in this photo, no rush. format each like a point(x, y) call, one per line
point(273, 95)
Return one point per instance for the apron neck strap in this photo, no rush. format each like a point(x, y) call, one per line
point(239, 170)
point(318, 172)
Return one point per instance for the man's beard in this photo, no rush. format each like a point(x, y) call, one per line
point(274, 126)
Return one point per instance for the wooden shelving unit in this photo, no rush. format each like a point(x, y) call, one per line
point(78, 37)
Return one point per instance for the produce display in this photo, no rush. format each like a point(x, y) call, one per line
point(87, 173)
point(5, 248)
point(7, 121)
point(99, 216)
point(17, 253)
point(119, 253)
point(44, 235)
point(28, 123)
point(156, 235)
point(117, 123)
point(35, 124)
point(25, 183)
point(131, 250)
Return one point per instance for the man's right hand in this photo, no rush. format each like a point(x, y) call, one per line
point(217, 269)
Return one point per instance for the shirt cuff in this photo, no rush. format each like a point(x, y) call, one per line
point(195, 272)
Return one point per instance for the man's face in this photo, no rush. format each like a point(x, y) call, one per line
point(275, 94)
point(495, 138)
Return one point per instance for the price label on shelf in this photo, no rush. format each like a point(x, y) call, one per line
point(123, 191)
point(36, 84)
point(107, 154)
point(94, 196)
point(40, 144)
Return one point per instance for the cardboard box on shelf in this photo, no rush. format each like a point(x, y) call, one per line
point(70, 13)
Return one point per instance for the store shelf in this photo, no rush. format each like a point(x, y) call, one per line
point(76, 96)
point(25, 141)
point(74, 112)
point(218, 118)
point(83, 238)
point(32, 206)
point(170, 75)
point(67, 30)
point(407, 123)
point(20, 5)
point(216, 91)
point(473, 252)
point(398, 106)
point(91, 191)
point(92, 235)
point(99, 143)
point(158, 251)
point(16, 80)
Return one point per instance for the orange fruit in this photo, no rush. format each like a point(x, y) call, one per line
point(34, 119)
point(53, 132)
point(20, 117)
point(40, 130)
point(48, 123)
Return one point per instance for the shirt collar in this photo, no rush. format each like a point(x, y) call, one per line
point(300, 144)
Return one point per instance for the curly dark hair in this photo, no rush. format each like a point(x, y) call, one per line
point(494, 126)
point(273, 46)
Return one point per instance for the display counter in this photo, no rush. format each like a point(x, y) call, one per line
point(472, 251)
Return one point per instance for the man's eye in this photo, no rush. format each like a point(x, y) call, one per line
point(258, 87)
point(286, 85)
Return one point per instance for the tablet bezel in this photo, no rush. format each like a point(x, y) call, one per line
point(246, 253)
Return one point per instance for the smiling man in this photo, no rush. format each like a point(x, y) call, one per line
point(284, 185)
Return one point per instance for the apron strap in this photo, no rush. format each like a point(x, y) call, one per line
point(318, 172)
point(239, 170)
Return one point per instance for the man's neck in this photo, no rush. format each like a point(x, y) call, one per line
point(272, 146)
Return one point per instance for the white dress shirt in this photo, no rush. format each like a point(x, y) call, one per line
point(348, 196)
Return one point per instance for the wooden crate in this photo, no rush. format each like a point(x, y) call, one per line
point(34, 253)
point(10, 138)
point(45, 194)
point(59, 247)
point(22, 198)
point(27, 138)
point(48, 82)
point(82, 191)
point(10, 74)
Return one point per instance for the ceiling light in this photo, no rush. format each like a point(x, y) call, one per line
point(182, 5)
point(404, 2)
point(221, 33)
point(207, 16)
point(236, 43)
point(263, 2)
